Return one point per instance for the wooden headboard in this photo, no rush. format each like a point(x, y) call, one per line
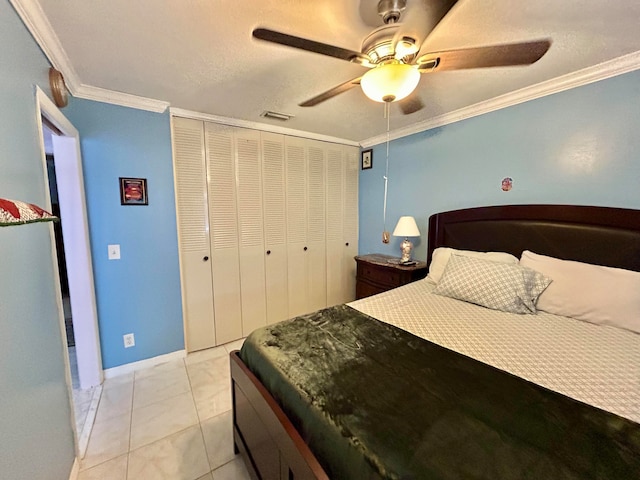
point(599, 235)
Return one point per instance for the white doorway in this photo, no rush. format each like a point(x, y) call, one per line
point(63, 141)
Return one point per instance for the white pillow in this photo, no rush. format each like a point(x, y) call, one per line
point(500, 286)
point(441, 257)
point(596, 294)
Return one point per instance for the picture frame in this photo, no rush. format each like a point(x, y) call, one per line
point(367, 159)
point(133, 191)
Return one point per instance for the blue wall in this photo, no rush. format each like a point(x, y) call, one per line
point(36, 440)
point(580, 147)
point(140, 293)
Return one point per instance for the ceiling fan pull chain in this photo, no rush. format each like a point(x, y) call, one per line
point(385, 234)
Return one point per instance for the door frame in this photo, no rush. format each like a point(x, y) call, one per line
point(77, 247)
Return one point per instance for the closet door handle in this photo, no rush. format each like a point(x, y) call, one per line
point(268, 252)
point(346, 244)
point(305, 249)
point(205, 258)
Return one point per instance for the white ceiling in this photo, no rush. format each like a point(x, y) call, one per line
point(199, 54)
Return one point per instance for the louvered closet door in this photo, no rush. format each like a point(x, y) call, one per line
point(296, 197)
point(193, 233)
point(316, 225)
point(250, 221)
point(335, 245)
point(350, 220)
point(274, 205)
point(221, 176)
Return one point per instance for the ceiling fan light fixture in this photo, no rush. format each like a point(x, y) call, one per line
point(390, 82)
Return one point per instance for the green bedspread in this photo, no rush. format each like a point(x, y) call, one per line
point(374, 401)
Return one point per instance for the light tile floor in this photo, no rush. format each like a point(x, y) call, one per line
point(81, 398)
point(172, 421)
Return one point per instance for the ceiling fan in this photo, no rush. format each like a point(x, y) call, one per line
point(392, 53)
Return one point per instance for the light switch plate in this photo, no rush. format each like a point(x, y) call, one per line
point(114, 252)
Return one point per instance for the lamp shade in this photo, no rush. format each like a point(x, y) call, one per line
point(406, 227)
point(390, 82)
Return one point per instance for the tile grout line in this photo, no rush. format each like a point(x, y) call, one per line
point(82, 469)
point(133, 391)
point(133, 408)
point(211, 469)
point(193, 399)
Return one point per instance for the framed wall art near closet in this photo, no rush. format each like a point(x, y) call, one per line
point(133, 191)
point(367, 159)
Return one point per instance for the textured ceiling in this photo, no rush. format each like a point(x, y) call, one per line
point(199, 54)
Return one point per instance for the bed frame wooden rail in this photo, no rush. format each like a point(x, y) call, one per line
point(267, 440)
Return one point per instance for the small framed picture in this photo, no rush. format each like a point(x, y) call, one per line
point(133, 191)
point(367, 159)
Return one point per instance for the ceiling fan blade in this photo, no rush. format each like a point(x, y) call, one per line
point(421, 17)
point(331, 93)
point(310, 45)
point(411, 104)
point(505, 55)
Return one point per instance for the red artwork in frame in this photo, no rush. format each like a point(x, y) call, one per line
point(133, 191)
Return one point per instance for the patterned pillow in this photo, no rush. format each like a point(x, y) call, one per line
point(13, 212)
point(499, 286)
point(441, 256)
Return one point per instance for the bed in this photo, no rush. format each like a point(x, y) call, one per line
point(490, 395)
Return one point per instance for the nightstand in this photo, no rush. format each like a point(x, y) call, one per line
point(378, 273)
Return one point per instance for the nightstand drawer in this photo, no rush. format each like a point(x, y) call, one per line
point(378, 273)
point(381, 275)
point(365, 289)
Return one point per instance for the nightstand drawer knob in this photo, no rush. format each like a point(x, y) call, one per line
point(305, 249)
point(268, 252)
point(346, 244)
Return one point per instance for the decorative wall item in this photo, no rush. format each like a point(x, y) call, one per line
point(507, 184)
point(58, 88)
point(367, 159)
point(14, 212)
point(133, 191)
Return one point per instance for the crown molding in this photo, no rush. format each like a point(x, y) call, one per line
point(617, 66)
point(265, 127)
point(38, 25)
point(118, 98)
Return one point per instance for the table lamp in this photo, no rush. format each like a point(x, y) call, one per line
point(406, 227)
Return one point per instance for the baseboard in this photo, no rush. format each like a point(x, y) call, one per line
point(75, 470)
point(83, 436)
point(149, 362)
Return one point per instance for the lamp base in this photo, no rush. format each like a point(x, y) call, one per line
point(406, 247)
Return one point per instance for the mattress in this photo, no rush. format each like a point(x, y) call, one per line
point(595, 364)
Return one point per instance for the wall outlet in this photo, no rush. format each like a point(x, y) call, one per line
point(114, 252)
point(129, 340)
